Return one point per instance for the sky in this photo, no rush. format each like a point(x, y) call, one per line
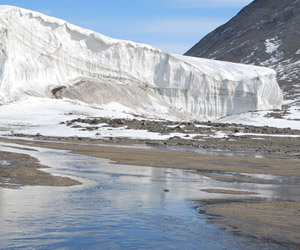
point(171, 25)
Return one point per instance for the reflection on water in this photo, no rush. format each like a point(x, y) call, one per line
point(117, 207)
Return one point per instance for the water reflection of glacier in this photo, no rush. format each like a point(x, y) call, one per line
point(117, 207)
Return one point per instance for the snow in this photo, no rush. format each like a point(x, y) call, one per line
point(219, 135)
point(47, 57)
point(276, 55)
point(272, 45)
point(5, 8)
point(44, 116)
point(293, 113)
point(266, 135)
point(288, 102)
point(260, 119)
point(201, 126)
point(174, 126)
point(226, 70)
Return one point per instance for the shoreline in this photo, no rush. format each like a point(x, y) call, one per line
point(165, 158)
point(19, 170)
point(207, 135)
point(278, 221)
point(282, 142)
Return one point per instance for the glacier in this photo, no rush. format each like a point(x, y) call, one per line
point(46, 57)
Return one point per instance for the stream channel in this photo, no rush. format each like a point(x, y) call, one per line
point(118, 207)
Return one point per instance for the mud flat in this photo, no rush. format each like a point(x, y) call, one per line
point(227, 191)
point(208, 165)
point(277, 220)
point(17, 170)
point(165, 158)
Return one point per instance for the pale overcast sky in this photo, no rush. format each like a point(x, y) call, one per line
point(171, 25)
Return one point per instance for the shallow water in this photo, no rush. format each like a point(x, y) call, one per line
point(118, 207)
point(202, 151)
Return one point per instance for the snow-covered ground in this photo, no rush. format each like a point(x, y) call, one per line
point(261, 118)
point(45, 116)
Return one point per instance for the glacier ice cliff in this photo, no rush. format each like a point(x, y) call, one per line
point(48, 57)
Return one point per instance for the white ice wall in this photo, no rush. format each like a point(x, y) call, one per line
point(41, 53)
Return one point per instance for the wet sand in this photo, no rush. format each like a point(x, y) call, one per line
point(227, 191)
point(174, 159)
point(277, 220)
point(232, 178)
point(17, 170)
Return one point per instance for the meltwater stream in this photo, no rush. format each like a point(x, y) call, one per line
point(117, 207)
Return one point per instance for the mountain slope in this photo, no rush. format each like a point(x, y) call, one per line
point(264, 33)
point(47, 57)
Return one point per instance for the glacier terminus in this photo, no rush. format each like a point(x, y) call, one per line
point(46, 57)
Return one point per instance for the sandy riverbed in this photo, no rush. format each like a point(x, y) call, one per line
point(174, 159)
point(277, 220)
point(18, 170)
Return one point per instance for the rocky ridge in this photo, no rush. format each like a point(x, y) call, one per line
point(264, 33)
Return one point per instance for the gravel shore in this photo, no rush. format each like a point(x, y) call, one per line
point(236, 137)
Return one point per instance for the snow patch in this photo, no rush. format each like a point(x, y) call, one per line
point(44, 116)
point(219, 135)
point(293, 113)
point(272, 45)
point(266, 135)
point(260, 119)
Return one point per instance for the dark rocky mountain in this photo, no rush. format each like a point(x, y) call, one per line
point(264, 33)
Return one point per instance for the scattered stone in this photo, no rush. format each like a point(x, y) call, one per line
point(287, 146)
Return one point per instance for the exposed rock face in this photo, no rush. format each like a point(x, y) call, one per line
point(47, 57)
point(264, 33)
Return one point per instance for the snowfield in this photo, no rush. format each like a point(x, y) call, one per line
point(45, 57)
point(44, 116)
point(48, 117)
